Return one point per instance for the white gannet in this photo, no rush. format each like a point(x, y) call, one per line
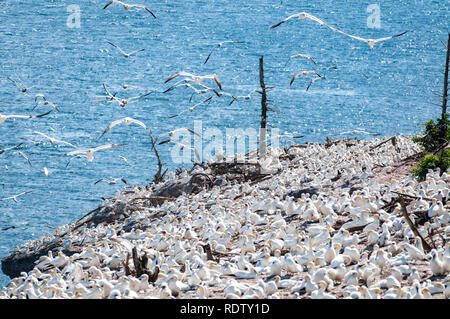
point(3, 117)
point(304, 15)
point(90, 152)
point(123, 52)
point(219, 45)
point(129, 6)
point(111, 181)
point(23, 155)
point(436, 264)
point(301, 55)
point(197, 78)
point(20, 86)
point(304, 73)
point(122, 102)
point(14, 198)
point(177, 130)
point(127, 121)
point(3, 150)
point(54, 140)
point(355, 132)
point(182, 146)
point(314, 80)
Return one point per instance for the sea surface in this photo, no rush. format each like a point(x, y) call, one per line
point(390, 89)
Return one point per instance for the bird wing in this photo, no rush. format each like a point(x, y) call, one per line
point(18, 116)
point(40, 115)
point(108, 4)
point(209, 55)
point(143, 6)
point(197, 155)
point(39, 95)
point(388, 38)
point(281, 22)
point(101, 180)
point(111, 125)
point(306, 56)
point(52, 105)
point(312, 81)
point(136, 51)
point(15, 83)
point(294, 76)
point(140, 96)
point(309, 85)
point(104, 147)
point(2, 150)
point(138, 123)
point(178, 129)
point(80, 151)
point(309, 16)
point(217, 81)
point(24, 156)
point(182, 73)
point(110, 95)
point(15, 196)
point(118, 48)
point(54, 140)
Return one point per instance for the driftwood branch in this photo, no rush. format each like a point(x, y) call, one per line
point(411, 196)
point(425, 245)
point(393, 139)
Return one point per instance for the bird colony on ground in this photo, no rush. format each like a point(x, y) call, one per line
point(265, 240)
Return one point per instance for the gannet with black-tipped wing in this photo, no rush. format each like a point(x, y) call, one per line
point(305, 15)
point(127, 121)
point(129, 6)
point(197, 78)
point(301, 55)
point(20, 86)
point(14, 198)
point(111, 181)
point(90, 151)
point(197, 154)
point(54, 140)
point(3, 150)
point(122, 102)
point(3, 118)
point(304, 73)
point(219, 45)
point(123, 52)
point(24, 156)
point(314, 80)
point(177, 130)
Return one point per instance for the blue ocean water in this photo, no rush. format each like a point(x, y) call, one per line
point(389, 89)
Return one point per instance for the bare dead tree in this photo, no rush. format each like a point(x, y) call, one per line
point(444, 127)
point(445, 95)
point(159, 176)
point(262, 132)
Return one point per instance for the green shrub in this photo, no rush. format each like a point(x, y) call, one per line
point(432, 162)
point(432, 139)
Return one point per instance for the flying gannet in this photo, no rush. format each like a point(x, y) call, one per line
point(219, 45)
point(304, 15)
point(129, 6)
point(123, 52)
point(90, 152)
point(197, 78)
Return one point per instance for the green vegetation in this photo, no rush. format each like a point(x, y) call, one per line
point(432, 162)
point(432, 139)
point(434, 142)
